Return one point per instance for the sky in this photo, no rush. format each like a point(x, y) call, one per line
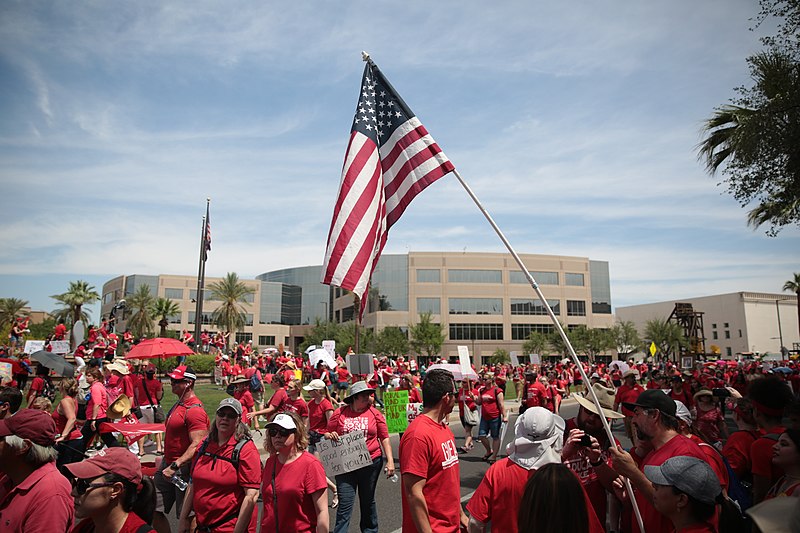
point(575, 123)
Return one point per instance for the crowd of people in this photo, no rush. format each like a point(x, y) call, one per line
point(683, 471)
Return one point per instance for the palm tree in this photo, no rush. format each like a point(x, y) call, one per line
point(10, 309)
point(668, 336)
point(794, 286)
point(78, 294)
point(141, 303)
point(231, 292)
point(164, 308)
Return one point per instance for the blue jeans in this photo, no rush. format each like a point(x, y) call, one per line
point(364, 480)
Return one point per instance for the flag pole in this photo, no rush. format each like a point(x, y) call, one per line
point(201, 277)
point(558, 327)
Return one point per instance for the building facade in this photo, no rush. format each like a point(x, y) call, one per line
point(735, 324)
point(481, 300)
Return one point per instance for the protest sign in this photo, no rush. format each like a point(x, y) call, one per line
point(5, 373)
point(394, 403)
point(514, 359)
point(33, 346)
point(463, 360)
point(535, 359)
point(413, 410)
point(59, 346)
point(345, 455)
point(330, 347)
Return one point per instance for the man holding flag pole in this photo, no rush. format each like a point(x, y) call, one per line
point(391, 158)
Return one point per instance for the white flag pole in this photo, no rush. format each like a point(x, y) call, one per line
point(560, 330)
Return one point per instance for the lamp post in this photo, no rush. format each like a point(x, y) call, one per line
point(780, 330)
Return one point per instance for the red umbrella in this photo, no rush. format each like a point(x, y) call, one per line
point(158, 347)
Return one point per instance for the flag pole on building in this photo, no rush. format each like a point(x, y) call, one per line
point(205, 247)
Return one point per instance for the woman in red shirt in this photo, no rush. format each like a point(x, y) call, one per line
point(68, 442)
point(222, 494)
point(468, 412)
point(242, 393)
point(279, 401)
point(407, 383)
point(96, 407)
point(493, 410)
point(296, 402)
point(293, 486)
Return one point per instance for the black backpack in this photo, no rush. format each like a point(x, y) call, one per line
point(233, 459)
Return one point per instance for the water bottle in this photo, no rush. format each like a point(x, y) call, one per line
point(394, 478)
point(178, 481)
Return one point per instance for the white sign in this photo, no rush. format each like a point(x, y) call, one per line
point(33, 346)
point(463, 360)
point(535, 359)
point(360, 363)
point(330, 347)
point(413, 410)
point(514, 359)
point(59, 346)
point(345, 455)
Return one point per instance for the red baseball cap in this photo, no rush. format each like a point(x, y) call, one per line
point(31, 424)
point(183, 372)
point(115, 460)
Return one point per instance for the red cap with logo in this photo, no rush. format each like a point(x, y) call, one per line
point(183, 372)
point(115, 460)
point(30, 424)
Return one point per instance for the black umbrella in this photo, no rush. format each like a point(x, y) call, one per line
point(54, 362)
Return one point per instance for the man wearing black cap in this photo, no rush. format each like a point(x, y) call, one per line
point(656, 426)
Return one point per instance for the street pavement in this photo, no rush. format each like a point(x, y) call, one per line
point(387, 493)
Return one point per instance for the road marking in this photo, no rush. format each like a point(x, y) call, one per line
point(464, 498)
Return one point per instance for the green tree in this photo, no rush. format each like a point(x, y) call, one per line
point(576, 339)
point(755, 139)
point(536, 343)
point(140, 304)
point(391, 341)
point(668, 337)
point(427, 336)
point(321, 331)
point(626, 338)
point(11, 309)
point(79, 293)
point(793, 285)
point(43, 329)
point(500, 356)
point(595, 341)
point(163, 308)
point(232, 293)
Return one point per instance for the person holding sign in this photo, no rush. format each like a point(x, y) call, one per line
point(293, 486)
point(359, 415)
point(493, 410)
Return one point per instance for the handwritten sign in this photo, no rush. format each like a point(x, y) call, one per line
point(33, 346)
point(345, 455)
point(395, 410)
point(535, 359)
point(330, 347)
point(59, 346)
point(514, 358)
point(463, 360)
point(413, 410)
point(5, 373)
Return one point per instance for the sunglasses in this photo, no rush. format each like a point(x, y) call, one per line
point(227, 414)
point(283, 432)
point(82, 486)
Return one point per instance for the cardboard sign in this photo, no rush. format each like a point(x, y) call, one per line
point(394, 409)
point(33, 346)
point(345, 455)
point(463, 360)
point(514, 359)
point(360, 363)
point(413, 410)
point(535, 359)
point(5, 373)
point(330, 347)
point(59, 346)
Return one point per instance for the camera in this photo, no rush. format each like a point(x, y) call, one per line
point(586, 440)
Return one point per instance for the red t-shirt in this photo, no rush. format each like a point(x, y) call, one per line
point(97, 396)
point(535, 394)
point(131, 525)
point(414, 395)
point(714, 460)
point(298, 406)
point(628, 394)
point(182, 420)
point(707, 423)
point(37, 385)
point(126, 387)
point(342, 374)
point(46, 490)
point(219, 487)
point(428, 450)
point(497, 498)
point(464, 400)
point(489, 407)
point(371, 422)
point(737, 451)
point(246, 399)
point(655, 522)
point(280, 400)
point(154, 388)
point(761, 456)
point(316, 415)
point(682, 396)
point(295, 483)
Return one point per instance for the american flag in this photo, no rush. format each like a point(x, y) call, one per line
point(389, 160)
point(207, 238)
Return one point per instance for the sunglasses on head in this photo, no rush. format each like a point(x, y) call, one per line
point(283, 432)
point(82, 486)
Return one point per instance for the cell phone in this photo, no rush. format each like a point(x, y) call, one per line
point(586, 440)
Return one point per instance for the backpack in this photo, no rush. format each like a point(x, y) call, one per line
point(49, 390)
point(255, 383)
point(233, 459)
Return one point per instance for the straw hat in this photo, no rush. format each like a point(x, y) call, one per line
point(240, 379)
point(606, 398)
point(119, 408)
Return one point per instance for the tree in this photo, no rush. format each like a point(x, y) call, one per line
point(427, 337)
point(756, 138)
point(10, 310)
point(626, 337)
point(558, 345)
point(536, 343)
point(78, 294)
point(321, 331)
point(793, 285)
point(140, 304)
point(594, 341)
point(163, 308)
point(391, 341)
point(500, 356)
point(231, 292)
point(668, 337)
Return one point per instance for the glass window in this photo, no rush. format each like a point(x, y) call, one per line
point(174, 319)
point(740, 334)
point(575, 280)
point(429, 305)
point(601, 287)
point(727, 334)
point(478, 332)
point(475, 306)
point(533, 306)
point(174, 294)
point(429, 275)
point(474, 276)
point(266, 340)
point(728, 351)
point(542, 278)
point(108, 298)
point(206, 318)
point(248, 319)
point(576, 308)
point(206, 295)
point(714, 335)
point(726, 324)
point(242, 337)
point(521, 332)
point(713, 326)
